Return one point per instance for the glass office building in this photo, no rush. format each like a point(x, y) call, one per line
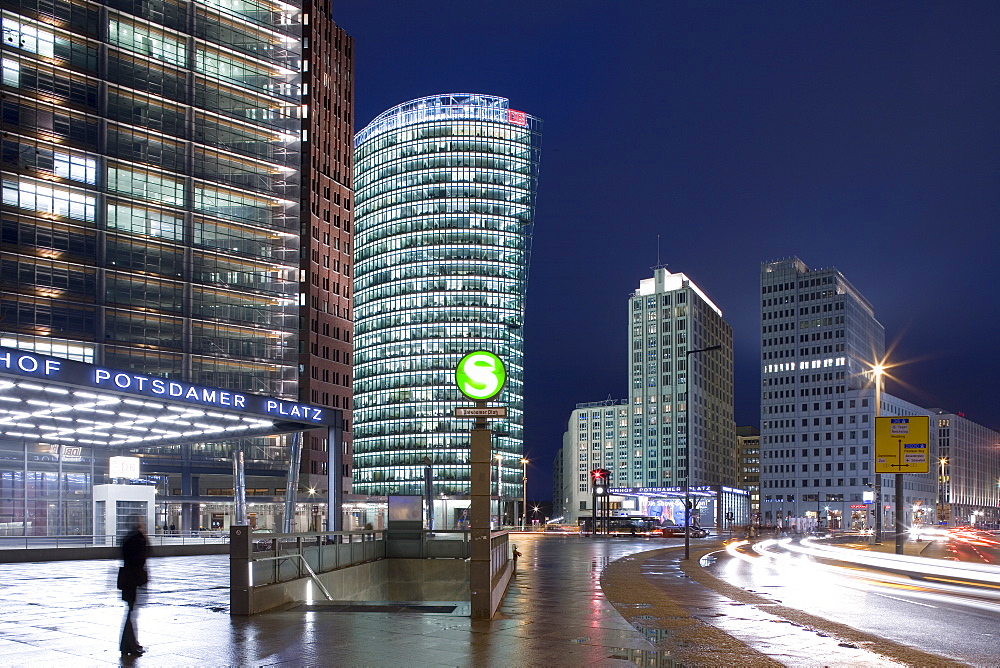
point(445, 191)
point(151, 204)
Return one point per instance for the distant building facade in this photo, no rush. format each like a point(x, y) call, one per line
point(326, 233)
point(748, 465)
point(967, 470)
point(644, 441)
point(557, 484)
point(592, 439)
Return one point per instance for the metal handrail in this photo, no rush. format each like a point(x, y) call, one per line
point(110, 540)
point(312, 574)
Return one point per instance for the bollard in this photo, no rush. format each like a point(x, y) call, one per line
point(240, 574)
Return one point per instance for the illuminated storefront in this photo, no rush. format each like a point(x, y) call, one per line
point(445, 191)
point(712, 506)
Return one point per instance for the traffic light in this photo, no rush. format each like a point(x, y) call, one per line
point(600, 477)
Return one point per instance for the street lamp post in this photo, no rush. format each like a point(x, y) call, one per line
point(941, 489)
point(524, 493)
point(687, 448)
point(878, 370)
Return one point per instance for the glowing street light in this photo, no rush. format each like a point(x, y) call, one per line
point(942, 495)
point(878, 373)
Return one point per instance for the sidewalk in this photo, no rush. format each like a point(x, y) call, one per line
point(574, 602)
point(555, 614)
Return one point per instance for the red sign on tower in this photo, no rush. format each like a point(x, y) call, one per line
point(517, 117)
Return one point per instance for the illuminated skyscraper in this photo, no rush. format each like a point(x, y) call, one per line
point(445, 193)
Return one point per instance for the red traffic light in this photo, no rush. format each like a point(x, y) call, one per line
point(600, 476)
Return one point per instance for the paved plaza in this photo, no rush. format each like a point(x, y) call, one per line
point(565, 607)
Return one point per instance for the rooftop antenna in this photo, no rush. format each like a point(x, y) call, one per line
point(658, 265)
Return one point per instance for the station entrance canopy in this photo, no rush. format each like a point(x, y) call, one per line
point(711, 505)
point(60, 401)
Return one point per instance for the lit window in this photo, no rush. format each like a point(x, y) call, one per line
point(34, 196)
point(11, 73)
point(28, 38)
point(75, 167)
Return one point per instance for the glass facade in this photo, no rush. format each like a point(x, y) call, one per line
point(445, 190)
point(150, 186)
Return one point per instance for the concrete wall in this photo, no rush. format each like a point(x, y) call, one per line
point(382, 580)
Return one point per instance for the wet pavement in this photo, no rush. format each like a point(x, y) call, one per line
point(574, 602)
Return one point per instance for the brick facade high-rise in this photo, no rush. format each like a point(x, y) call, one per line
point(325, 312)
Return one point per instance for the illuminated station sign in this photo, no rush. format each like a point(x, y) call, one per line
point(54, 400)
point(480, 375)
point(78, 373)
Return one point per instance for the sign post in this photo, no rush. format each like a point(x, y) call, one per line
point(902, 446)
point(480, 376)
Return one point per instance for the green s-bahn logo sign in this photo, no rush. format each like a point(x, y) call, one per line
point(480, 375)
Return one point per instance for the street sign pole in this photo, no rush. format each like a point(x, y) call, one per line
point(901, 446)
point(480, 376)
point(481, 461)
point(900, 526)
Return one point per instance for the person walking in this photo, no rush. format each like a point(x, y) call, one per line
point(131, 576)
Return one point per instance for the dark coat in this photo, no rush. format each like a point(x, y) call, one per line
point(133, 571)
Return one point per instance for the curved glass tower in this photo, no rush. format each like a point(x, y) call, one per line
point(445, 192)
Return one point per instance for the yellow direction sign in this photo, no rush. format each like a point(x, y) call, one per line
point(902, 444)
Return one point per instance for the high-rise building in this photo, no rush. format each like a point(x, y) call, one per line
point(819, 343)
point(151, 160)
point(326, 330)
point(445, 193)
point(682, 428)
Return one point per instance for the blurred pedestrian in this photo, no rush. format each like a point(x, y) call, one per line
point(131, 576)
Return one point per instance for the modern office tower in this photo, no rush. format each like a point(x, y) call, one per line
point(819, 343)
point(325, 255)
point(967, 470)
point(445, 192)
point(748, 466)
point(682, 404)
point(151, 156)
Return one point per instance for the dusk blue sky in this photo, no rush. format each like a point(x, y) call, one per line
point(858, 135)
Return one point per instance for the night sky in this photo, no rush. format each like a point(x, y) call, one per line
point(857, 135)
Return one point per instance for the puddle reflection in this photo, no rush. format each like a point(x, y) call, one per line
point(645, 657)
